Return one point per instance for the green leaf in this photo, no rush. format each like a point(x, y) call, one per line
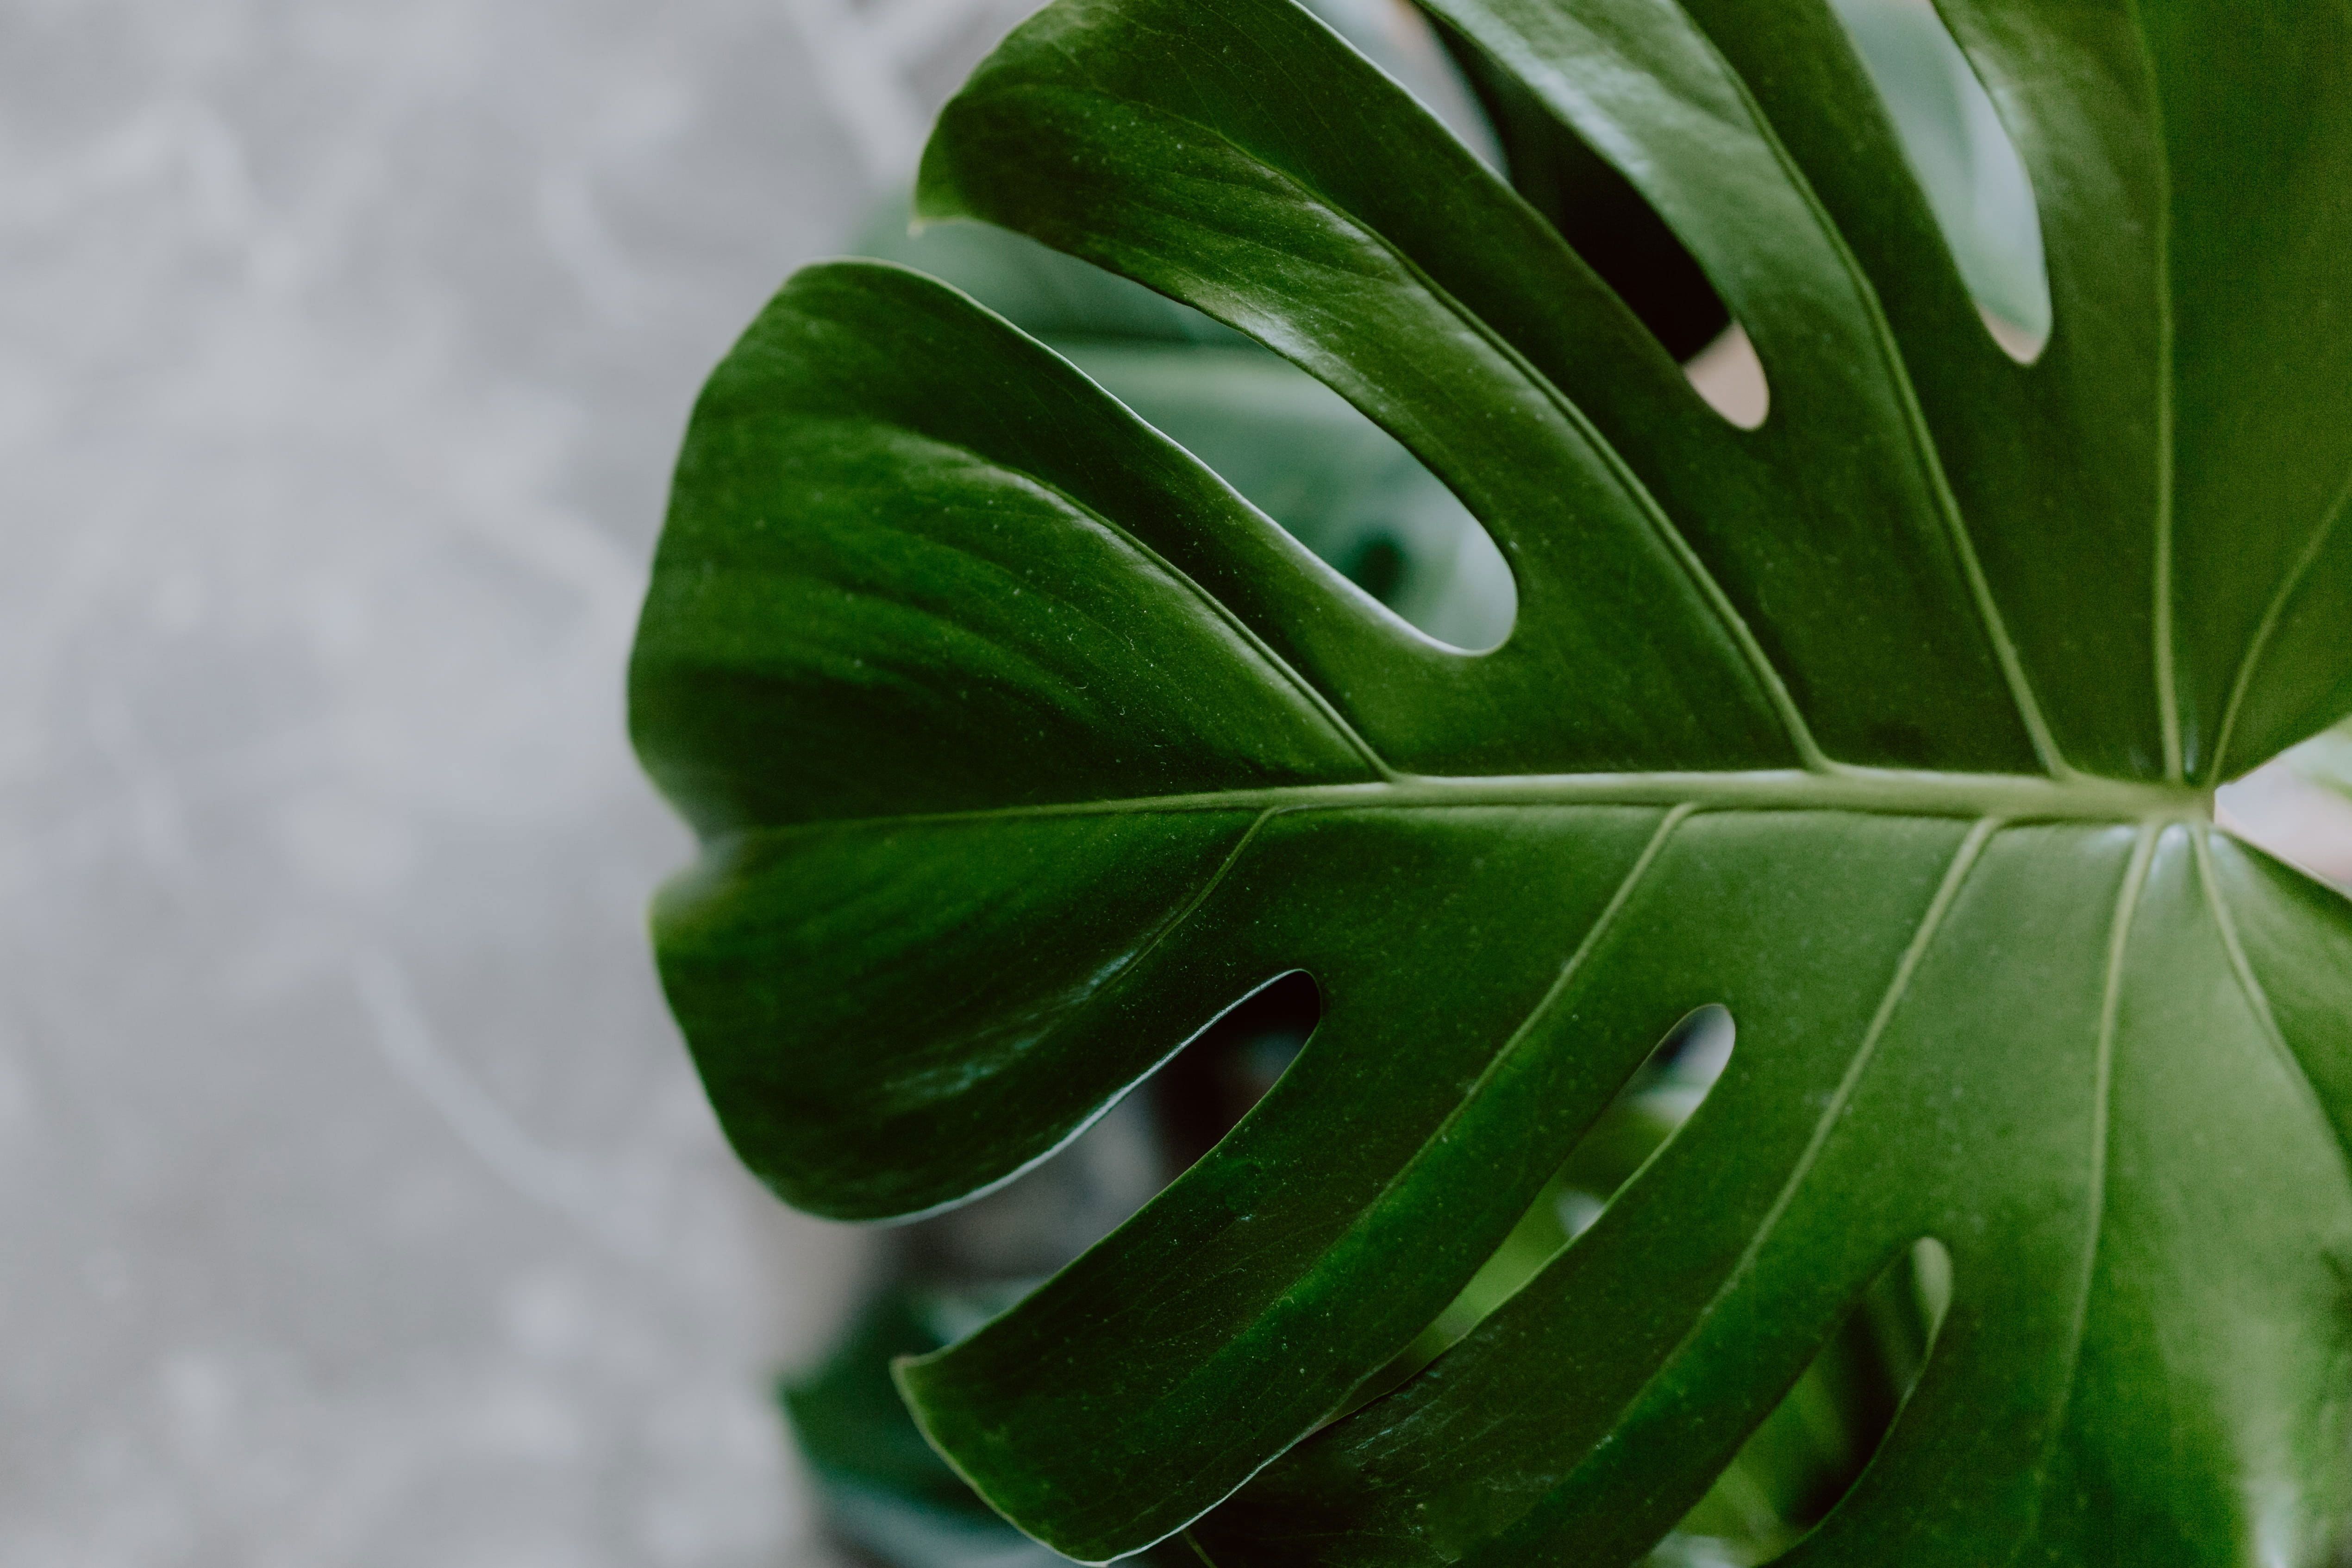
point(882, 1486)
point(1024, 745)
point(883, 1489)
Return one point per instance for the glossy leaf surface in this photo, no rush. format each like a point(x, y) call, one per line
point(1023, 747)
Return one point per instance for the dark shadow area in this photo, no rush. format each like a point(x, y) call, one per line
point(1596, 210)
point(1203, 1094)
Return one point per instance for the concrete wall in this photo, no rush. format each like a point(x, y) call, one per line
point(357, 1203)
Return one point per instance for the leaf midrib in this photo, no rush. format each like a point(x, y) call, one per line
point(2010, 797)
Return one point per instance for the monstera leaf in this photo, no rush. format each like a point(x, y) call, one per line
point(1021, 747)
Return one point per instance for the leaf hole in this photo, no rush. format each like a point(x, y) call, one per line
point(1021, 1232)
point(1652, 1106)
point(1967, 166)
point(1731, 377)
point(1333, 479)
point(1606, 219)
point(1601, 214)
point(1804, 1458)
point(1299, 452)
point(1203, 1092)
point(1011, 1238)
point(2298, 806)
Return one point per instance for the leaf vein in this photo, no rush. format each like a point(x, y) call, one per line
point(2258, 645)
point(2258, 998)
point(1915, 422)
point(2102, 1105)
point(1306, 689)
point(1964, 859)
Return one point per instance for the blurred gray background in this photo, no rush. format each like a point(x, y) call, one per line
point(358, 1205)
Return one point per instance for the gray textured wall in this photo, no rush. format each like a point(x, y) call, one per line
point(357, 1204)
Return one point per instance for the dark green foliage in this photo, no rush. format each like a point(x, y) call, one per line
point(1022, 746)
